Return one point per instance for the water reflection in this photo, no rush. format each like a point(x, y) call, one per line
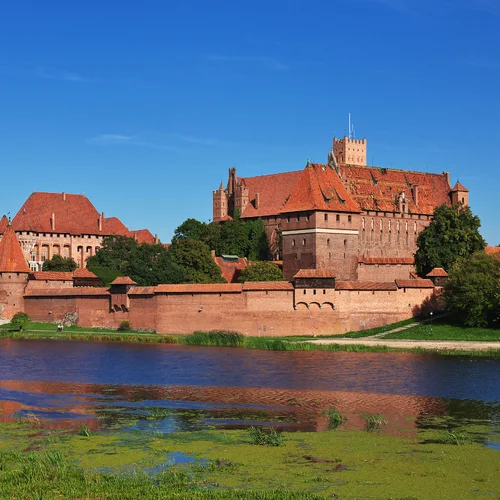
point(106, 385)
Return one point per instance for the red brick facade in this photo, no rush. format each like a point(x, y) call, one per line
point(334, 216)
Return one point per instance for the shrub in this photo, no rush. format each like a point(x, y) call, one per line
point(373, 422)
point(263, 437)
point(19, 321)
point(334, 417)
point(124, 326)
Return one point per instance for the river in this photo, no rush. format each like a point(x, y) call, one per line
point(110, 384)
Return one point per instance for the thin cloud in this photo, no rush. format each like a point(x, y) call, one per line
point(270, 62)
point(65, 76)
point(126, 140)
point(483, 64)
point(201, 141)
point(49, 74)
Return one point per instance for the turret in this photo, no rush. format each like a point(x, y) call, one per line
point(220, 204)
point(14, 273)
point(459, 194)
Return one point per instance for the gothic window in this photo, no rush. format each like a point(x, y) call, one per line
point(326, 216)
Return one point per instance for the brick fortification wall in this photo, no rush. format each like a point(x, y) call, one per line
point(267, 309)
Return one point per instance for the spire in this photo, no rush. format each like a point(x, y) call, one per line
point(11, 256)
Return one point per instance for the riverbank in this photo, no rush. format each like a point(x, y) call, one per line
point(247, 464)
point(414, 336)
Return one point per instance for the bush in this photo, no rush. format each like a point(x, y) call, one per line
point(334, 417)
point(19, 321)
point(263, 437)
point(124, 326)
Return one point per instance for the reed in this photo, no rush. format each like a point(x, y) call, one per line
point(373, 422)
point(222, 338)
point(264, 437)
point(335, 418)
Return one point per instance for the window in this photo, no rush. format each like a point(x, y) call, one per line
point(314, 292)
point(328, 242)
point(337, 218)
point(293, 243)
point(298, 218)
point(304, 242)
point(305, 292)
point(326, 216)
point(307, 217)
point(349, 218)
point(44, 256)
point(288, 219)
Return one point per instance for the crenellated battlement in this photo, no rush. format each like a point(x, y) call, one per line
point(350, 151)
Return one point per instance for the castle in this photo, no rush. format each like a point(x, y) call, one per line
point(64, 224)
point(360, 221)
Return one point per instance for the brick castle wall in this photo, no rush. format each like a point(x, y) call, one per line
point(264, 312)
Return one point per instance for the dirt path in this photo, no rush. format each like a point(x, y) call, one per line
point(431, 345)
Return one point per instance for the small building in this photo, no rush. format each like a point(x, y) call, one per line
point(438, 276)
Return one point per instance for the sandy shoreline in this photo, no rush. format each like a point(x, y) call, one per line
point(431, 345)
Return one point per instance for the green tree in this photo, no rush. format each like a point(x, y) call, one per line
point(472, 291)
point(19, 321)
point(58, 263)
point(258, 244)
point(233, 238)
point(261, 271)
point(453, 234)
point(146, 264)
point(192, 229)
point(194, 257)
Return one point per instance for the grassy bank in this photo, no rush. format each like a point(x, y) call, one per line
point(220, 464)
point(443, 329)
point(439, 330)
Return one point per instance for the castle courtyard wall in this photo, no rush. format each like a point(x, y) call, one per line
point(251, 312)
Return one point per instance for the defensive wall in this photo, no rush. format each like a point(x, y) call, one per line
point(258, 308)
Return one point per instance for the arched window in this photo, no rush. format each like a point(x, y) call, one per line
point(328, 242)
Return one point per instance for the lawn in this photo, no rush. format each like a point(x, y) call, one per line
point(443, 329)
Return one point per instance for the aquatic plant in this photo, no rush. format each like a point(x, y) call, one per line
point(83, 430)
point(456, 437)
point(124, 326)
point(373, 422)
point(157, 413)
point(334, 417)
point(263, 437)
point(214, 338)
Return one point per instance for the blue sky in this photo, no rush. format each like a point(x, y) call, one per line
point(144, 105)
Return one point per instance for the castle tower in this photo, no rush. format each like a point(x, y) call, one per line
point(220, 204)
point(459, 194)
point(14, 273)
point(350, 151)
point(241, 197)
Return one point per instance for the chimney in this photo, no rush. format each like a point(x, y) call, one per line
point(157, 240)
point(257, 200)
point(100, 221)
point(415, 195)
point(53, 221)
point(64, 196)
point(447, 174)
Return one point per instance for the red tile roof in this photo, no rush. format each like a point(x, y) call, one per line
point(143, 236)
point(378, 188)
point(51, 276)
point(74, 214)
point(273, 192)
point(415, 283)
point(459, 187)
point(11, 255)
point(123, 280)
point(66, 292)
point(231, 270)
point(202, 288)
point(438, 272)
point(493, 251)
point(249, 286)
point(4, 222)
point(386, 260)
point(142, 290)
point(315, 273)
point(414, 275)
point(320, 188)
point(366, 286)
point(83, 272)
